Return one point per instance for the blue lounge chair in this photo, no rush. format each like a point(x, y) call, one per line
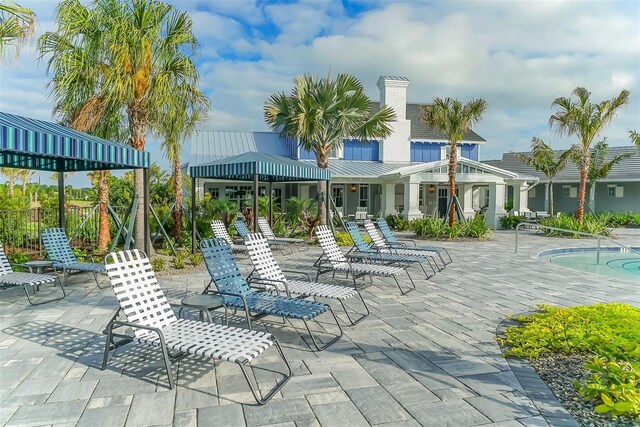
point(395, 243)
point(363, 251)
point(235, 290)
point(243, 231)
point(58, 250)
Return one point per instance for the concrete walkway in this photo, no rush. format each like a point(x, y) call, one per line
point(429, 358)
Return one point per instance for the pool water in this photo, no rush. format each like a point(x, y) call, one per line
point(613, 262)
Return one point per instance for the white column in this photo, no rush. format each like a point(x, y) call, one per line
point(411, 201)
point(520, 198)
point(388, 199)
point(546, 197)
point(496, 204)
point(467, 201)
point(304, 191)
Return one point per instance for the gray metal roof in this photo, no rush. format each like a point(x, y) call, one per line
point(398, 78)
point(210, 145)
point(361, 169)
point(626, 170)
point(420, 130)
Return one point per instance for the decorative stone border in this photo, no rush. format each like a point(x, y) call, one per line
point(542, 397)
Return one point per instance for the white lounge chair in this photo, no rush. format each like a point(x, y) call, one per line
point(333, 260)
point(267, 269)
point(220, 231)
point(264, 226)
point(154, 323)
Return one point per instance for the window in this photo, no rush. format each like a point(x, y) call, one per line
point(337, 192)
point(335, 152)
point(364, 195)
point(532, 192)
point(215, 192)
point(277, 197)
point(569, 191)
point(615, 191)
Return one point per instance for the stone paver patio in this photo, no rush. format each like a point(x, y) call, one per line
point(429, 358)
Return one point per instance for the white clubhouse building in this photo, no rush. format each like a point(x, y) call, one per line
point(405, 173)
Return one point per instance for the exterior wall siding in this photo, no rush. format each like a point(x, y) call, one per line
point(603, 203)
point(425, 151)
point(355, 149)
point(470, 151)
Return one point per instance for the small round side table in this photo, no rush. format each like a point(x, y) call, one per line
point(204, 303)
point(39, 267)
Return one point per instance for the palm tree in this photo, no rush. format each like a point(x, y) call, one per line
point(11, 174)
point(545, 160)
point(600, 167)
point(100, 179)
point(130, 56)
point(586, 120)
point(17, 24)
point(454, 119)
point(320, 113)
point(635, 137)
point(178, 123)
point(25, 176)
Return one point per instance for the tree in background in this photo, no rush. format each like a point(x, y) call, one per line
point(25, 176)
point(544, 159)
point(320, 113)
point(17, 25)
point(131, 57)
point(579, 116)
point(11, 174)
point(635, 137)
point(179, 122)
point(454, 119)
point(600, 168)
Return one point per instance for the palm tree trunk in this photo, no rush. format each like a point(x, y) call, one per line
point(592, 197)
point(322, 159)
point(11, 183)
point(453, 163)
point(137, 125)
point(177, 191)
point(104, 236)
point(584, 172)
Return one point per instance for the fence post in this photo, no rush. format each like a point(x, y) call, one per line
point(39, 213)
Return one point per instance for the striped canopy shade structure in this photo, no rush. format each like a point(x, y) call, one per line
point(256, 167)
point(35, 144)
point(27, 143)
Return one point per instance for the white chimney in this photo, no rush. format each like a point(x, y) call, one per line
point(393, 92)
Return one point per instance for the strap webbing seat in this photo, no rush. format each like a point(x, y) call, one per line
point(220, 231)
point(397, 244)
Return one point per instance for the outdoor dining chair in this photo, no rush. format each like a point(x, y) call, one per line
point(237, 294)
point(333, 260)
point(399, 243)
point(154, 323)
point(58, 250)
point(243, 231)
point(220, 231)
point(381, 244)
point(363, 251)
point(264, 226)
point(26, 280)
point(266, 268)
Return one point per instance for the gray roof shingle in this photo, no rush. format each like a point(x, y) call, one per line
point(419, 130)
point(627, 170)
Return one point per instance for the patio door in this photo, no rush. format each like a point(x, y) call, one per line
point(443, 199)
point(337, 192)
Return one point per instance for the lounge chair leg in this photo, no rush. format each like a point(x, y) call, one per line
point(313, 338)
point(107, 345)
point(413, 285)
point(167, 362)
point(261, 400)
point(432, 261)
point(64, 294)
point(351, 321)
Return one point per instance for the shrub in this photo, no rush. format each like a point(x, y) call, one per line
point(456, 230)
point(179, 261)
point(594, 224)
point(398, 222)
point(510, 221)
point(158, 264)
point(610, 333)
point(430, 227)
point(344, 239)
point(18, 258)
point(478, 228)
point(195, 259)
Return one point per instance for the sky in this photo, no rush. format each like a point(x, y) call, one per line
point(518, 55)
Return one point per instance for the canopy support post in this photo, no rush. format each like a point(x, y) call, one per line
point(60, 194)
point(327, 203)
point(255, 198)
point(193, 214)
point(271, 204)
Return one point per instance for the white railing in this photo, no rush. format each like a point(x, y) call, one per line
point(599, 237)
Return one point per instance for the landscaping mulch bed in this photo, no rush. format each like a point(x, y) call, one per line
point(559, 372)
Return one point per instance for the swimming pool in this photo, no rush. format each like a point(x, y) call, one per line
point(614, 262)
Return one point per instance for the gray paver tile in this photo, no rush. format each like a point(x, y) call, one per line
point(466, 366)
point(538, 421)
point(192, 398)
point(72, 390)
point(497, 407)
point(186, 418)
point(340, 413)
point(309, 384)
point(354, 378)
point(377, 405)
point(450, 413)
point(221, 416)
point(278, 411)
point(327, 397)
point(152, 408)
point(411, 393)
point(123, 386)
point(48, 413)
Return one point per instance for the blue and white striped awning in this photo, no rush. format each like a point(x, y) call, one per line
point(35, 144)
point(268, 167)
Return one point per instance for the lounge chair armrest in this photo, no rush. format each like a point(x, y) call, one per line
point(118, 323)
point(270, 282)
point(401, 242)
point(304, 273)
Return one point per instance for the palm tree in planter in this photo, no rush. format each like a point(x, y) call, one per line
point(129, 56)
point(600, 168)
point(579, 116)
point(545, 160)
point(17, 25)
point(635, 137)
point(454, 119)
point(320, 113)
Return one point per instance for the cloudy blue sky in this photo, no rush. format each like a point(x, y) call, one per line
point(518, 55)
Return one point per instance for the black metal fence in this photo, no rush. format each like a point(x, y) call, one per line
point(20, 229)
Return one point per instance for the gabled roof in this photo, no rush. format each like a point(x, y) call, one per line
point(627, 170)
point(209, 145)
point(269, 168)
point(35, 144)
point(420, 131)
point(432, 166)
